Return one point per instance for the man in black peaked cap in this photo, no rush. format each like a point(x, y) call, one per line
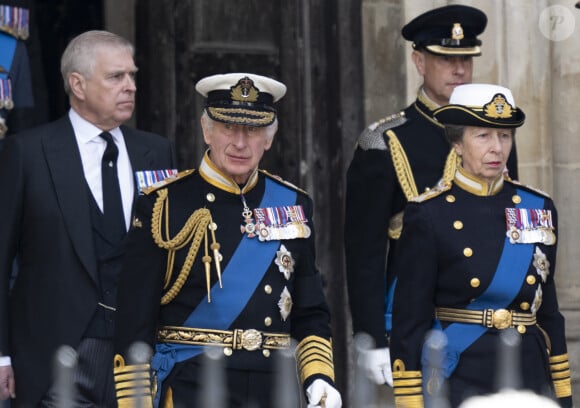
point(396, 159)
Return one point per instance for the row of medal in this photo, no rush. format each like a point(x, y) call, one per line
point(14, 20)
point(527, 226)
point(276, 223)
point(148, 178)
point(6, 94)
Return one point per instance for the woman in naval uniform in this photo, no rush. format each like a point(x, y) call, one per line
point(477, 257)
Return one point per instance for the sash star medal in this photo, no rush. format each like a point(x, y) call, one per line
point(250, 227)
point(527, 226)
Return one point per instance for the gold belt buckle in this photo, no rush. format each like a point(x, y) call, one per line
point(251, 339)
point(501, 319)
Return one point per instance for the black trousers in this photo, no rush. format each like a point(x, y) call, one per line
point(187, 387)
point(92, 380)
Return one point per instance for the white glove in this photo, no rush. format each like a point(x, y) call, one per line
point(322, 394)
point(376, 364)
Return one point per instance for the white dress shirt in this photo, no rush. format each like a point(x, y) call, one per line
point(92, 147)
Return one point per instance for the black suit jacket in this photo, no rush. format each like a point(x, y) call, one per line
point(46, 225)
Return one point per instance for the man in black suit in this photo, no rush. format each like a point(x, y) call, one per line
point(57, 201)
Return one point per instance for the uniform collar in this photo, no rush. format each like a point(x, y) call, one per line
point(210, 173)
point(429, 103)
point(426, 106)
point(475, 185)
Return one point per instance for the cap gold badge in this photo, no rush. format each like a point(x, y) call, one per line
point(245, 91)
point(457, 32)
point(498, 108)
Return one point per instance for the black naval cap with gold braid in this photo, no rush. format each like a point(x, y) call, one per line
point(450, 30)
point(241, 98)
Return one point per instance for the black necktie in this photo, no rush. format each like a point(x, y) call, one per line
point(112, 204)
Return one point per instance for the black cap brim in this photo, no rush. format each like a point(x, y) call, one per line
point(463, 116)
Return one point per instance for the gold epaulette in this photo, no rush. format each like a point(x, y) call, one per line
point(167, 181)
point(529, 188)
point(282, 181)
point(441, 187)
point(372, 136)
point(132, 384)
point(389, 121)
point(560, 369)
point(314, 356)
point(407, 386)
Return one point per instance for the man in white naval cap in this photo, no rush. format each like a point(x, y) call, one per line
point(224, 257)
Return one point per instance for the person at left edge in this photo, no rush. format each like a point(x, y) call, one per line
point(224, 257)
point(50, 176)
point(15, 76)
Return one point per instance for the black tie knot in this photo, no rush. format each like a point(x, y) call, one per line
point(114, 220)
point(111, 151)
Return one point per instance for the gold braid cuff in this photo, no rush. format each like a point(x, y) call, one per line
point(195, 231)
point(560, 368)
point(132, 384)
point(407, 386)
point(314, 356)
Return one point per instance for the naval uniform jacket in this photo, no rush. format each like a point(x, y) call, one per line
point(46, 225)
point(447, 256)
point(142, 284)
point(374, 196)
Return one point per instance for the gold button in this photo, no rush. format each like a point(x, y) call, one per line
point(521, 329)
point(268, 321)
point(516, 199)
point(268, 289)
point(525, 306)
point(228, 351)
point(213, 226)
point(475, 283)
point(531, 279)
point(457, 225)
point(467, 252)
point(266, 353)
point(427, 189)
point(210, 197)
point(450, 198)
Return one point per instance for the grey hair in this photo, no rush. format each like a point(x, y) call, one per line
point(79, 55)
point(271, 129)
point(454, 133)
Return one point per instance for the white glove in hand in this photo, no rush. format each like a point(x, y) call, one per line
point(376, 364)
point(322, 394)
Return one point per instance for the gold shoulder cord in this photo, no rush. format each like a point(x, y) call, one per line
point(402, 167)
point(194, 231)
point(450, 167)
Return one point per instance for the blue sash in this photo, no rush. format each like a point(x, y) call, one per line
point(389, 297)
point(240, 278)
point(7, 49)
point(505, 285)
